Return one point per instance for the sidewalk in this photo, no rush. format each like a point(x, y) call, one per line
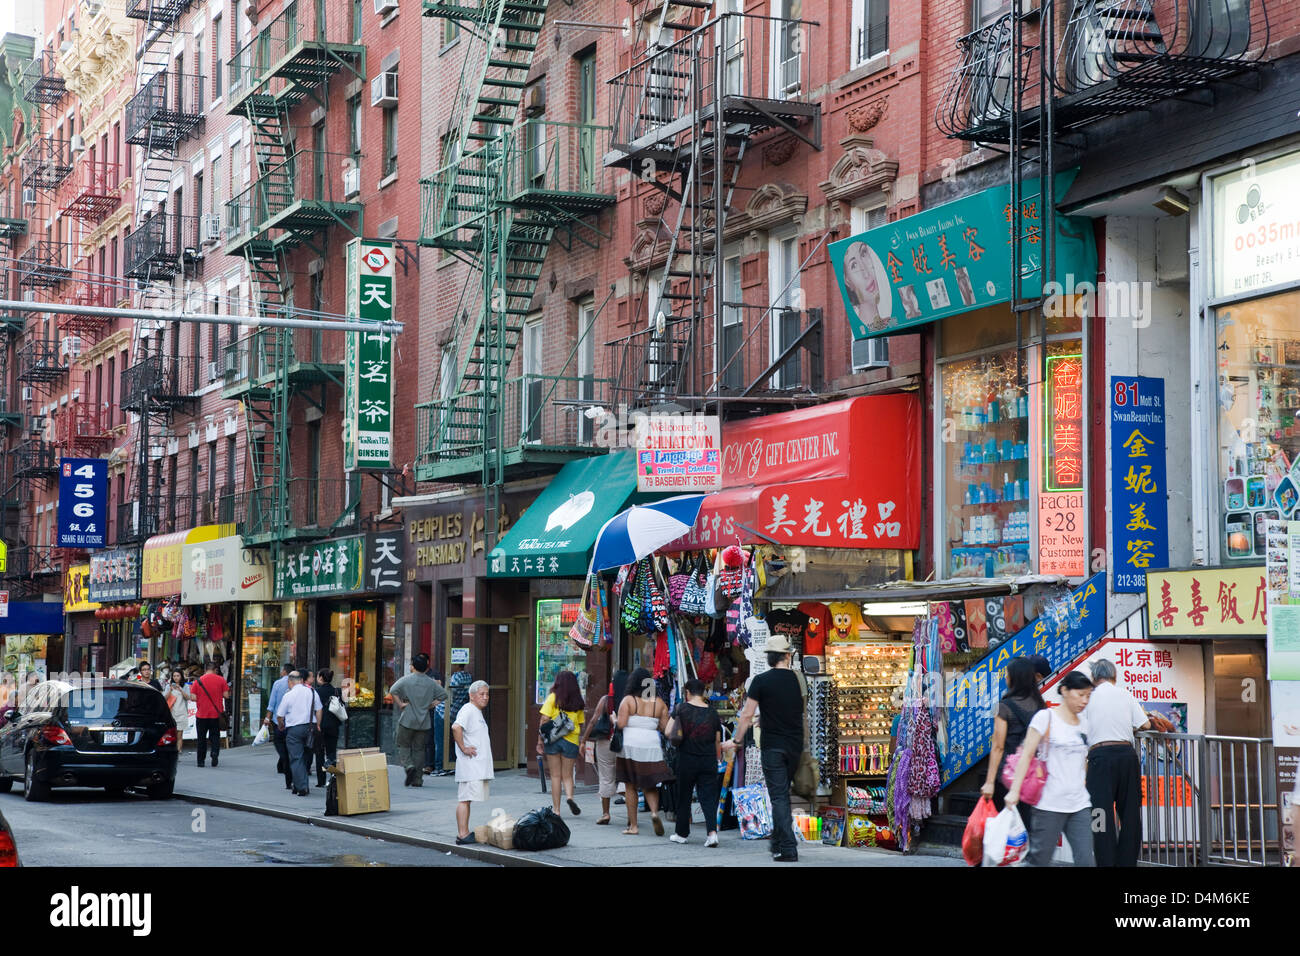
point(246, 780)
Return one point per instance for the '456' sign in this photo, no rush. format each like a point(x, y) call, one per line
point(83, 502)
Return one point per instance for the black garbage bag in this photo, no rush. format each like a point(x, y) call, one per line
point(541, 829)
point(332, 797)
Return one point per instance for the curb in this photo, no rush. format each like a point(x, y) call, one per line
point(473, 852)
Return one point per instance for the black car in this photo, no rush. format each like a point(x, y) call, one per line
point(89, 733)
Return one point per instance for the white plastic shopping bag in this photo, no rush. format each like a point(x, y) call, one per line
point(1005, 839)
point(263, 735)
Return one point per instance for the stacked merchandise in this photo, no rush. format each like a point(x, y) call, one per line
point(823, 730)
point(867, 678)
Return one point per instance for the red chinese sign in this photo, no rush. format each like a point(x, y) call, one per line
point(1064, 423)
point(842, 475)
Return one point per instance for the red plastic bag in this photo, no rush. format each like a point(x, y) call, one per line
point(972, 841)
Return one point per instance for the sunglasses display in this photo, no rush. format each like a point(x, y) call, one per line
point(867, 679)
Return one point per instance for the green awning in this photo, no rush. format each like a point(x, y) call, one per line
point(553, 538)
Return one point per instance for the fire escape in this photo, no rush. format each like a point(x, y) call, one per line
point(165, 110)
point(1019, 89)
point(506, 189)
point(685, 114)
point(296, 198)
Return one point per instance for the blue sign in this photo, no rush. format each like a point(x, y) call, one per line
point(83, 502)
point(972, 697)
point(1139, 513)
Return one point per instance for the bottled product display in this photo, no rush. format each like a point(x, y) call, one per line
point(555, 652)
point(987, 461)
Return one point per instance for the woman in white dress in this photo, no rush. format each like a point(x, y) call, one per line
point(642, 716)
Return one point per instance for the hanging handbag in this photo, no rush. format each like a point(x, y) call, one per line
point(656, 602)
point(338, 709)
point(583, 631)
point(695, 598)
point(602, 727)
point(731, 574)
point(633, 601)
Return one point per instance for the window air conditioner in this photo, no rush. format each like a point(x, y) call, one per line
point(27, 393)
point(77, 144)
point(64, 47)
point(383, 89)
point(351, 181)
point(70, 346)
point(385, 6)
point(38, 425)
point(210, 227)
point(213, 371)
point(29, 195)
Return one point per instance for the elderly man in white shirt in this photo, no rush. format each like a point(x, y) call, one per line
point(1114, 773)
point(298, 711)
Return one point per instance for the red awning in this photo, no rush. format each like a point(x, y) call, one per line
point(842, 475)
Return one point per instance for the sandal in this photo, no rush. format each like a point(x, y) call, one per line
point(630, 832)
point(603, 821)
point(574, 808)
point(658, 824)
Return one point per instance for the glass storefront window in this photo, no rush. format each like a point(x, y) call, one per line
point(1258, 354)
point(555, 652)
point(354, 639)
point(987, 477)
point(271, 632)
point(388, 650)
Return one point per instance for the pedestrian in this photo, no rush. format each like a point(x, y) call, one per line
point(178, 703)
point(642, 716)
point(1114, 773)
point(309, 756)
point(144, 674)
point(1042, 667)
point(414, 695)
point(278, 690)
point(1016, 709)
point(697, 761)
point(563, 705)
point(210, 692)
point(779, 693)
point(599, 729)
point(298, 712)
point(1065, 805)
point(474, 771)
point(433, 746)
point(327, 754)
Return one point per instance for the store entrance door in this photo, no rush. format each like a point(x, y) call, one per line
point(486, 646)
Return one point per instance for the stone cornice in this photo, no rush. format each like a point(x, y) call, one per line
point(106, 228)
point(101, 54)
point(105, 348)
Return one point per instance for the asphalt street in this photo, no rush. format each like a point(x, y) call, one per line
point(92, 828)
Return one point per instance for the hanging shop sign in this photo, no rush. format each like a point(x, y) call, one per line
point(1056, 634)
point(384, 561)
point(4, 557)
point(952, 259)
point(1256, 216)
point(223, 570)
point(1165, 677)
point(321, 569)
point(1207, 602)
point(453, 535)
point(83, 502)
point(162, 562)
point(76, 590)
point(1061, 546)
point(368, 365)
point(1139, 511)
point(813, 477)
point(115, 575)
point(679, 454)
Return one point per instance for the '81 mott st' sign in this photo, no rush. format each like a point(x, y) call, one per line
point(368, 363)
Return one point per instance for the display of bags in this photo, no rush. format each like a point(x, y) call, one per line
point(633, 602)
point(753, 810)
point(585, 629)
point(695, 598)
point(1005, 839)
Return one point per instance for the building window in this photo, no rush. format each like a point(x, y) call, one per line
point(218, 60)
point(534, 384)
point(870, 29)
point(787, 305)
point(354, 128)
point(733, 324)
point(356, 20)
point(586, 366)
point(873, 352)
point(450, 31)
point(985, 12)
point(790, 38)
point(535, 159)
point(390, 141)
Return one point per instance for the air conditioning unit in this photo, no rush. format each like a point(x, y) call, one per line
point(383, 7)
point(383, 89)
point(29, 195)
point(27, 393)
point(214, 371)
point(536, 100)
point(351, 181)
point(64, 47)
point(70, 346)
point(93, 7)
point(210, 227)
point(37, 425)
point(77, 144)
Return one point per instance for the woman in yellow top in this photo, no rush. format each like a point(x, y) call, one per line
point(562, 754)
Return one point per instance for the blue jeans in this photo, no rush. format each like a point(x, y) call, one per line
point(433, 748)
point(295, 739)
point(778, 771)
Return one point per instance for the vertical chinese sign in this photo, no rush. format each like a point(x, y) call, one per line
point(368, 372)
point(83, 502)
point(1061, 515)
point(1139, 516)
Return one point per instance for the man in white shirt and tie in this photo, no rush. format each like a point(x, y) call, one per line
point(1114, 774)
point(298, 711)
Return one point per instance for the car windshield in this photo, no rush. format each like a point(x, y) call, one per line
point(91, 704)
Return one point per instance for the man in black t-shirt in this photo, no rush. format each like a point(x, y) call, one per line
point(780, 695)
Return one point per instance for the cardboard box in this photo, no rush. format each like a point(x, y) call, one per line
point(363, 781)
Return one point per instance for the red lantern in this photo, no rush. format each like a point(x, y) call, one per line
point(119, 613)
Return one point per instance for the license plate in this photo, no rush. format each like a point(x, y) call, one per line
point(115, 737)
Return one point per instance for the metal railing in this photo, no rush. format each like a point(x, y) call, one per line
point(157, 247)
point(81, 426)
point(555, 157)
point(47, 163)
point(165, 110)
point(307, 176)
point(309, 506)
point(34, 457)
point(1207, 800)
point(39, 361)
point(540, 411)
point(755, 58)
point(91, 193)
point(41, 80)
point(45, 263)
point(256, 357)
point(159, 12)
point(159, 380)
point(274, 46)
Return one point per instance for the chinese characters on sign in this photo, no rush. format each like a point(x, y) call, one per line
point(83, 502)
point(384, 562)
point(115, 575)
point(368, 358)
point(1061, 514)
point(1207, 602)
point(1139, 514)
point(679, 453)
point(76, 591)
point(320, 569)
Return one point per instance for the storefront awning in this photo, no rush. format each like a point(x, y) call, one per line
point(32, 617)
point(841, 475)
point(161, 558)
point(951, 259)
point(223, 570)
point(553, 538)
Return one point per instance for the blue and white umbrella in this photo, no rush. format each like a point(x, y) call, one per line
point(642, 529)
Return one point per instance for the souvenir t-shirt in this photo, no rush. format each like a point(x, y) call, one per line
point(790, 624)
point(1066, 789)
point(819, 625)
point(846, 620)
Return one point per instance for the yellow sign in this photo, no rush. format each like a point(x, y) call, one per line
point(1207, 602)
point(4, 556)
point(161, 562)
point(76, 590)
